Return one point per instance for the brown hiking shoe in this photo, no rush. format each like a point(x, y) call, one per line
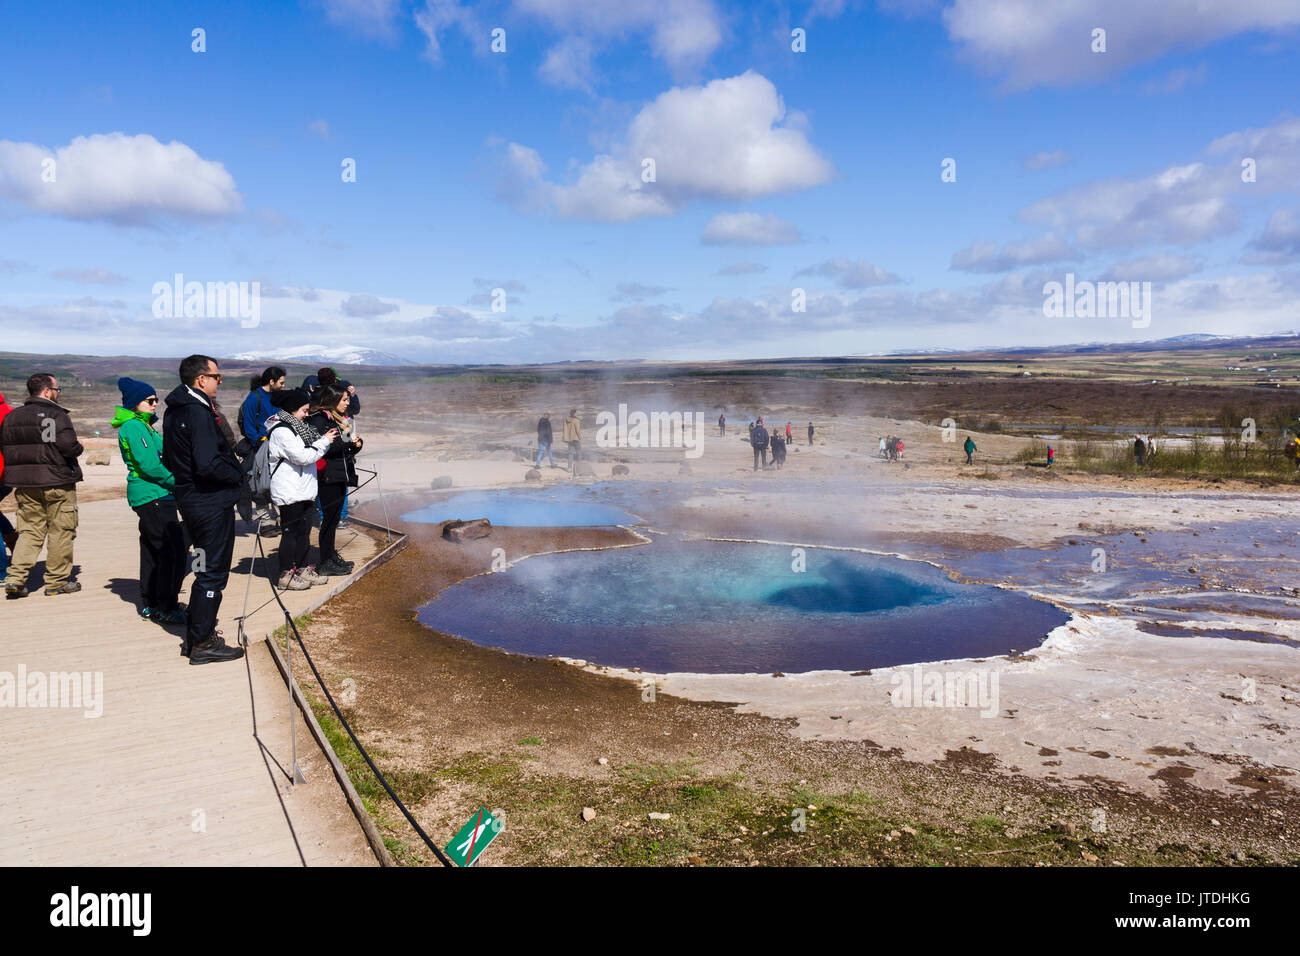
point(72, 587)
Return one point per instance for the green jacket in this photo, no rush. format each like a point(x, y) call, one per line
point(147, 478)
point(969, 446)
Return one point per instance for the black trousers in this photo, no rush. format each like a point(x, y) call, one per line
point(759, 451)
point(295, 534)
point(162, 554)
point(331, 508)
point(212, 532)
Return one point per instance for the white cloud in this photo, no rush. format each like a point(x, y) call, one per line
point(741, 269)
point(1057, 157)
point(683, 33)
point(437, 16)
point(1280, 240)
point(1159, 267)
point(1181, 204)
point(88, 276)
point(568, 64)
point(851, 273)
point(372, 17)
point(1177, 80)
point(125, 180)
point(986, 257)
point(1029, 42)
point(724, 140)
point(637, 292)
point(365, 306)
point(749, 229)
point(320, 127)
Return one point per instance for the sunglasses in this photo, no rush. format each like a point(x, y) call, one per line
point(216, 375)
point(152, 401)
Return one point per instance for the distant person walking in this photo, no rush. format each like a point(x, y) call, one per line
point(149, 492)
point(758, 441)
point(573, 438)
point(41, 449)
point(335, 473)
point(884, 449)
point(208, 479)
point(1051, 455)
point(544, 439)
point(810, 433)
point(778, 450)
point(1139, 450)
point(8, 536)
point(722, 425)
point(789, 435)
point(970, 449)
point(295, 447)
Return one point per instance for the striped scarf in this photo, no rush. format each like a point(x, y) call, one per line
point(307, 433)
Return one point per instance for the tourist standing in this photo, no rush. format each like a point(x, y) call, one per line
point(208, 479)
point(789, 435)
point(41, 449)
point(149, 492)
point(544, 439)
point(884, 448)
point(758, 441)
point(1139, 449)
point(257, 407)
point(335, 473)
point(970, 449)
point(573, 438)
point(295, 447)
point(722, 425)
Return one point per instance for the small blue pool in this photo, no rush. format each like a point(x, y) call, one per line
point(564, 506)
point(712, 607)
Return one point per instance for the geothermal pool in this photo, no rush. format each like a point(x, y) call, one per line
point(711, 607)
point(564, 506)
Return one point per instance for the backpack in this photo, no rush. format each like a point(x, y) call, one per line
point(257, 481)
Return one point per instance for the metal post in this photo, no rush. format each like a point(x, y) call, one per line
point(380, 485)
point(297, 776)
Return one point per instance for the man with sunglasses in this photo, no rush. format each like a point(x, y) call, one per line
point(40, 450)
point(208, 477)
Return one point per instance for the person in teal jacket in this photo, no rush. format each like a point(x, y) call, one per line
point(970, 449)
point(149, 488)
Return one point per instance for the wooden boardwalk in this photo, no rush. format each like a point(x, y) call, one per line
point(185, 765)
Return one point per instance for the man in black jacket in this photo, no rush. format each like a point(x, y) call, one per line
point(40, 450)
point(758, 440)
point(208, 481)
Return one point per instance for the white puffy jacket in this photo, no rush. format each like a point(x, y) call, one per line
point(294, 477)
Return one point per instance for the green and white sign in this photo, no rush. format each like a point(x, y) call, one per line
point(473, 838)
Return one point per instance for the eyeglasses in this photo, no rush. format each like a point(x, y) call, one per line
point(55, 388)
point(216, 375)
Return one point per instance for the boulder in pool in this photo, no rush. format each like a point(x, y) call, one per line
point(459, 531)
point(533, 475)
point(442, 481)
point(621, 470)
point(582, 469)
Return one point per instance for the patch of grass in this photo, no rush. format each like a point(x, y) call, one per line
point(530, 742)
point(656, 773)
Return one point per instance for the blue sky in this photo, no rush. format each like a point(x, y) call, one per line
point(521, 171)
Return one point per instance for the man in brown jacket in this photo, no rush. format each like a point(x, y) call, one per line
point(40, 450)
point(573, 436)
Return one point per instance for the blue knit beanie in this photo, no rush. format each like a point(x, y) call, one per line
point(133, 392)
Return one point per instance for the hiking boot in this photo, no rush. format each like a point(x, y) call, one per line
point(289, 581)
point(342, 562)
point(72, 587)
point(270, 531)
point(332, 568)
point(310, 575)
point(14, 591)
point(214, 649)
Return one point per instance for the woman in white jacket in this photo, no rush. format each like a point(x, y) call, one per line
point(295, 447)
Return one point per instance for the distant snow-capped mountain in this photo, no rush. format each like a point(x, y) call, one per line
point(320, 355)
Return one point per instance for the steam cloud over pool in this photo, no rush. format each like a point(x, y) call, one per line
point(729, 608)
